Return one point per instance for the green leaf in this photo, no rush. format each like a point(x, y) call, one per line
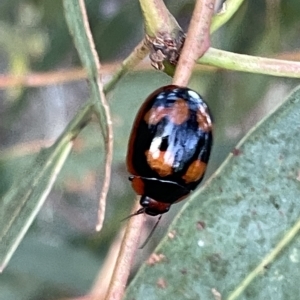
point(76, 26)
point(20, 205)
point(77, 20)
point(74, 14)
point(243, 217)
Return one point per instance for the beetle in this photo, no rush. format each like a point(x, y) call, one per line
point(169, 147)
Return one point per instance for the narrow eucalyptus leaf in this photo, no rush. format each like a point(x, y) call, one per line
point(21, 204)
point(87, 53)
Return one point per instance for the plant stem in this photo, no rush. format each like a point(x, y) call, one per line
point(157, 18)
point(101, 284)
point(126, 256)
point(197, 41)
point(135, 57)
point(252, 64)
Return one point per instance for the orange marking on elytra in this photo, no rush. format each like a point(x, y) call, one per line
point(160, 161)
point(155, 114)
point(195, 171)
point(178, 113)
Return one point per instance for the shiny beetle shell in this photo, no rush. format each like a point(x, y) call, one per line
point(169, 147)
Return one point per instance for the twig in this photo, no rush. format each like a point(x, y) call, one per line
point(41, 78)
point(252, 64)
point(286, 61)
point(126, 256)
point(64, 76)
point(197, 41)
point(157, 17)
point(101, 284)
point(134, 58)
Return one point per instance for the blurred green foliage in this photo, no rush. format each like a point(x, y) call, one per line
point(62, 254)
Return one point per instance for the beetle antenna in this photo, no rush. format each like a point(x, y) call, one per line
point(138, 212)
point(151, 233)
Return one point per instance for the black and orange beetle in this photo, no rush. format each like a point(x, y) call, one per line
point(169, 147)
